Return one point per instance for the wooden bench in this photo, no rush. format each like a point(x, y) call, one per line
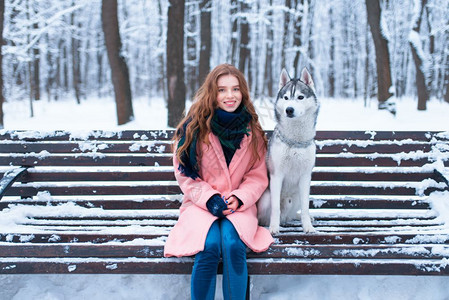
point(104, 202)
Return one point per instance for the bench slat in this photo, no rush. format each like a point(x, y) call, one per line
point(360, 238)
point(375, 136)
point(349, 267)
point(166, 147)
point(175, 204)
point(100, 135)
point(74, 147)
point(106, 204)
point(90, 190)
point(379, 148)
point(85, 160)
point(60, 135)
point(35, 175)
point(276, 251)
point(166, 160)
point(255, 266)
point(122, 175)
point(439, 237)
point(162, 229)
point(322, 225)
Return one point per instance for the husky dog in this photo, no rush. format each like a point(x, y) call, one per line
point(291, 154)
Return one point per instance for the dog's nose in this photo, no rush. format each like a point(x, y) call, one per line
point(290, 111)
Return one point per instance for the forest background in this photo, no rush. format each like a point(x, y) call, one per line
point(58, 50)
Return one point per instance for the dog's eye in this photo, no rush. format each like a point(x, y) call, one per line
point(285, 97)
point(300, 97)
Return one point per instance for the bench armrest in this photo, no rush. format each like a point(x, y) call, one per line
point(442, 177)
point(10, 177)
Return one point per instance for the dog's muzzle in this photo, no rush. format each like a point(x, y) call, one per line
point(290, 111)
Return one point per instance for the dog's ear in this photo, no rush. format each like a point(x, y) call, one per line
point(284, 78)
point(307, 78)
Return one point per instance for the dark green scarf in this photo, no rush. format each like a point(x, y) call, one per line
point(230, 128)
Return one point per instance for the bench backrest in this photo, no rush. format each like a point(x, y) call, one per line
point(139, 163)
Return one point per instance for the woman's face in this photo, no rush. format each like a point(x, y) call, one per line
point(229, 96)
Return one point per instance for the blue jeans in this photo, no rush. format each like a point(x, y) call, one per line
point(222, 240)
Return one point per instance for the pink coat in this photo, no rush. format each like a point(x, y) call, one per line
point(244, 180)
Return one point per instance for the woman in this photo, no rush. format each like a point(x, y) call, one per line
point(220, 166)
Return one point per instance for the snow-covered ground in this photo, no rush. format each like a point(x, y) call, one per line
point(151, 114)
point(335, 114)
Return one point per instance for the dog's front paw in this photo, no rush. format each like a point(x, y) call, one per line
point(299, 217)
point(274, 229)
point(306, 222)
point(308, 228)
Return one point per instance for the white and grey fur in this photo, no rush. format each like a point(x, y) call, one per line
point(291, 154)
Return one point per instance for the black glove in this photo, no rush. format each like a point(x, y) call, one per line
point(240, 202)
point(216, 206)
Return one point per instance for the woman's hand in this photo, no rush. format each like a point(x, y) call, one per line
point(232, 203)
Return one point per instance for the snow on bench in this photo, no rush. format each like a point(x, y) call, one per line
point(104, 202)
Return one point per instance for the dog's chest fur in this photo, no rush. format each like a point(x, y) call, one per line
point(293, 161)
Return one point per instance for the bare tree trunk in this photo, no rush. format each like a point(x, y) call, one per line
point(234, 32)
point(285, 44)
point(332, 54)
point(30, 81)
point(29, 74)
point(34, 64)
point(346, 56)
point(50, 77)
point(175, 62)
point(76, 76)
point(268, 78)
point(446, 92)
point(446, 75)
point(415, 46)
point(445, 71)
point(84, 82)
point(310, 42)
point(58, 62)
point(366, 92)
point(36, 70)
point(99, 56)
point(384, 82)
point(192, 44)
point(433, 77)
point(2, 98)
point(245, 51)
point(65, 67)
point(297, 38)
point(119, 69)
point(163, 75)
point(206, 39)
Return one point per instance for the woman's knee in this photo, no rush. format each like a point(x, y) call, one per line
point(212, 245)
point(230, 237)
point(234, 250)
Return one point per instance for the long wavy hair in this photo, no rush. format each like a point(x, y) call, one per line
point(201, 112)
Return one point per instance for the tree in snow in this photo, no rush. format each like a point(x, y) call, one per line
point(418, 55)
point(2, 17)
point(175, 62)
point(119, 69)
point(384, 83)
point(206, 40)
